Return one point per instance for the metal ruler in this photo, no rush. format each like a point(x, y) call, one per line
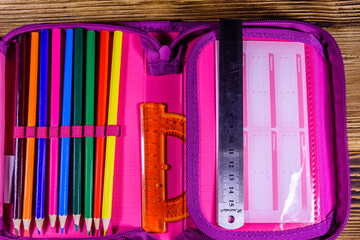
point(157, 209)
point(230, 194)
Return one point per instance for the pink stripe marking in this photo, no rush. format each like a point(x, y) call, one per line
point(300, 90)
point(246, 172)
point(54, 120)
point(274, 170)
point(244, 92)
point(272, 90)
point(303, 170)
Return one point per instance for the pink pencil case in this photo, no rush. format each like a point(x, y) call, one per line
point(296, 166)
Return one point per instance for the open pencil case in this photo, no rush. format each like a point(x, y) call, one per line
point(296, 165)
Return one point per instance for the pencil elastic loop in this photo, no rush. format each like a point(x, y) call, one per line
point(113, 130)
point(41, 132)
point(30, 132)
point(19, 132)
point(100, 131)
point(76, 131)
point(89, 131)
point(54, 132)
point(65, 131)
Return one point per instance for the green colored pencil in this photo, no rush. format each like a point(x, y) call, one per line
point(89, 120)
point(77, 120)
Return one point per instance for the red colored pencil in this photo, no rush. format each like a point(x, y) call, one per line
point(101, 121)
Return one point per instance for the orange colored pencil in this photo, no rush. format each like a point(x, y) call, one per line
point(101, 121)
point(30, 142)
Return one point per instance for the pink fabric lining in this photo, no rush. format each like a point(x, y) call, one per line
point(67, 131)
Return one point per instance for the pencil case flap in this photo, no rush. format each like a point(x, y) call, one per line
point(324, 69)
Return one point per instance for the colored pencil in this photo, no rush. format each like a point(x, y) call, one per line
point(54, 122)
point(77, 120)
point(89, 120)
point(42, 122)
point(65, 121)
point(111, 140)
point(19, 121)
point(30, 142)
point(101, 121)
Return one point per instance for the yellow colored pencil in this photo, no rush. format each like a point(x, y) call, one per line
point(110, 140)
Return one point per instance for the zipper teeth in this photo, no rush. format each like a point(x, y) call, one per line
point(210, 26)
point(95, 26)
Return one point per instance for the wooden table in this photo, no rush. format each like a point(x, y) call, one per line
point(340, 18)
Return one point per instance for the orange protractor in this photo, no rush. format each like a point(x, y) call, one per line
point(157, 209)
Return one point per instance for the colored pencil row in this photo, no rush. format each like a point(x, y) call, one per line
point(97, 200)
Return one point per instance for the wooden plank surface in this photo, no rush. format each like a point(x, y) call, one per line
point(340, 18)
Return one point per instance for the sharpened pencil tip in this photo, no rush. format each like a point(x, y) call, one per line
point(62, 230)
point(88, 233)
point(105, 232)
point(96, 232)
point(76, 227)
point(16, 233)
point(26, 233)
point(38, 231)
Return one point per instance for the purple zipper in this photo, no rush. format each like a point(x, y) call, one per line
point(182, 35)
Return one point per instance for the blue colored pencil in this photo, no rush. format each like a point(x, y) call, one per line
point(42, 122)
point(65, 121)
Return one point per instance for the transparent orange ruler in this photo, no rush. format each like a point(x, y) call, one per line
point(157, 210)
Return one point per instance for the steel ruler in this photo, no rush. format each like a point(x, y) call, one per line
point(230, 194)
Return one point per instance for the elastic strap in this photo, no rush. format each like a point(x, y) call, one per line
point(67, 131)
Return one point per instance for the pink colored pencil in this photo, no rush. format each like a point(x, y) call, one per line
point(54, 122)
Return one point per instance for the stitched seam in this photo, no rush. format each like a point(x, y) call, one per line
point(314, 177)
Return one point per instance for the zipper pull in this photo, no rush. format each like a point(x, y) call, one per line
point(162, 59)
